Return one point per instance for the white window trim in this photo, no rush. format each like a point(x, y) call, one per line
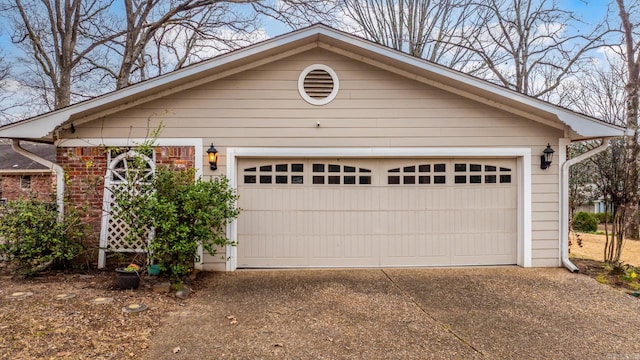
point(309, 99)
point(524, 179)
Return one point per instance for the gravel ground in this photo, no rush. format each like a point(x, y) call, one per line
point(41, 326)
point(402, 313)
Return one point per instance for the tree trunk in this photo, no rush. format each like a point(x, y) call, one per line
point(632, 103)
point(63, 93)
point(633, 150)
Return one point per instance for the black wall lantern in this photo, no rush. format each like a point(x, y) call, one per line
point(546, 157)
point(213, 157)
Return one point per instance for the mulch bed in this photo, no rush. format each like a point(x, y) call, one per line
point(43, 325)
point(598, 270)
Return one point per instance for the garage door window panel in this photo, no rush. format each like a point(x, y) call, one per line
point(281, 174)
point(472, 174)
point(416, 174)
point(335, 174)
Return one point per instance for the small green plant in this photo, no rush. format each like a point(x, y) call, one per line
point(585, 222)
point(630, 274)
point(602, 279)
point(33, 240)
point(608, 267)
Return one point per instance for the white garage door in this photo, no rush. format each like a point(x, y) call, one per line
point(372, 212)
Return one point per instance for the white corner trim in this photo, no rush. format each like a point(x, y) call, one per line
point(524, 238)
point(564, 198)
point(231, 252)
point(527, 252)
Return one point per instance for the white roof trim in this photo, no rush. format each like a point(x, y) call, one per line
point(582, 125)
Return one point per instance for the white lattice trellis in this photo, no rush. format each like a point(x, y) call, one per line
point(114, 230)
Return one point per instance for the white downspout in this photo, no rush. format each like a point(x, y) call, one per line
point(15, 145)
point(564, 199)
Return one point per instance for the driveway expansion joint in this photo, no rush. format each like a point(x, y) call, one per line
point(444, 326)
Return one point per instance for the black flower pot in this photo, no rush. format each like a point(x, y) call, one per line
point(127, 279)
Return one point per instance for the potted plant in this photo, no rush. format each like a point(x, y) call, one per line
point(128, 277)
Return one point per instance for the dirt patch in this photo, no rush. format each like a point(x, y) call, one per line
point(603, 274)
point(43, 326)
point(589, 259)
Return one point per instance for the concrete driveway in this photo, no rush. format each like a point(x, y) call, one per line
point(505, 313)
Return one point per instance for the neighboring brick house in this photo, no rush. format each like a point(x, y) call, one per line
point(21, 177)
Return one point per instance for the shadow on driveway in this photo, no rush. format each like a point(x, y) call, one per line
point(457, 313)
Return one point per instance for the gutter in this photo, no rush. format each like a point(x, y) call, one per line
point(564, 201)
point(25, 172)
point(15, 145)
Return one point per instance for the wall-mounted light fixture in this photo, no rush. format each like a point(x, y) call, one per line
point(213, 157)
point(547, 157)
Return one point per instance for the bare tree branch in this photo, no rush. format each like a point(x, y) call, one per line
point(530, 45)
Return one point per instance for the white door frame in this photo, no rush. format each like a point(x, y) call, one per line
point(523, 156)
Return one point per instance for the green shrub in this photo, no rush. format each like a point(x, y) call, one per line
point(585, 222)
point(183, 212)
point(601, 217)
point(32, 240)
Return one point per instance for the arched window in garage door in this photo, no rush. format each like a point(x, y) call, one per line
point(421, 174)
point(459, 173)
point(285, 173)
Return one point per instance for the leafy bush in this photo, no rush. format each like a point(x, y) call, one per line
point(585, 222)
point(184, 214)
point(32, 240)
point(601, 217)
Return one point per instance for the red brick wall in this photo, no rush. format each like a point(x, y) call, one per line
point(85, 168)
point(42, 187)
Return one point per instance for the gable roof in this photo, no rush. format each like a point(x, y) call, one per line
point(576, 126)
point(11, 160)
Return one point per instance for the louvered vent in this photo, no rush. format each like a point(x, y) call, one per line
point(318, 84)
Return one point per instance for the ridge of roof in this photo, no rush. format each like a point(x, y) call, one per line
point(583, 125)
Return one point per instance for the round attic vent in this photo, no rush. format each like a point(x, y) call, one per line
point(318, 84)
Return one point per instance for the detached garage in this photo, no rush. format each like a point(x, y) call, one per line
point(344, 153)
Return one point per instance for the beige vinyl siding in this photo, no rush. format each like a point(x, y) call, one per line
point(374, 108)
